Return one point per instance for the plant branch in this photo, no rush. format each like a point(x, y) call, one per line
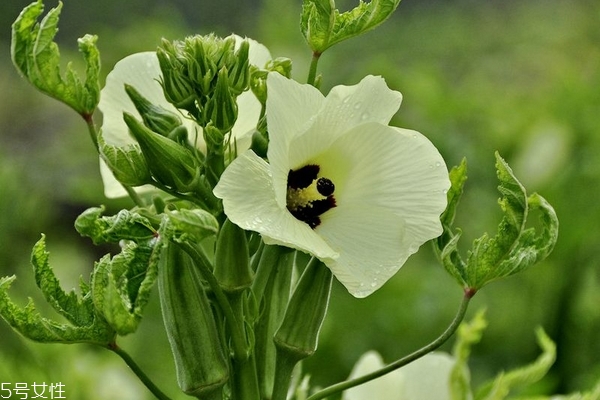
point(339, 387)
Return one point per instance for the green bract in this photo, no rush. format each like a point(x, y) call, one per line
point(514, 248)
point(37, 58)
point(323, 25)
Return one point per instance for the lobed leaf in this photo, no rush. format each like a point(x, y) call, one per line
point(121, 286)
point(323, 25)
point(125, 225)
point(86, 325)
point(36, 56)
point(79, 312)
point(514, 248)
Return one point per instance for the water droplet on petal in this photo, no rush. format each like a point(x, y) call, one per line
point(357, 105)
point(373, 284)
point(437, 164)
point(445, 191)
point(365, 116)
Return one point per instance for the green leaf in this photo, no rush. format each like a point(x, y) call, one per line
point(323, 26)
point(121, 286)
point(514, 248)
point(79, 312)
point(500, 387)
point(86, 325)
point(126, 225)
point(37, 57)
point(189, 225)
point(446, 243)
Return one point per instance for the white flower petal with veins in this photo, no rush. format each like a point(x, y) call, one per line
point(390, 183)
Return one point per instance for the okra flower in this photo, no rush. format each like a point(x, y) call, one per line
point(142, 71)
point(339, 182)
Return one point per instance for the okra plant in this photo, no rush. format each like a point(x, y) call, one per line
point(250, 193)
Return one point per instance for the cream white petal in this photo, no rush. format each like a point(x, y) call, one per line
point(391, 168)
point(246, 188)
point(426, 378)
point(249, 107)
point(258, 54)
point(140, 70)
point(370, 243)
point(387, 387)
point(290, 109)
point(344, 108)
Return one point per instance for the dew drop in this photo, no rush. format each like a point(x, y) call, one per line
point(445, 191)
point(357, 105)
point(365, 116)
point(373, 284)
point(437, 164)
point(346, 100)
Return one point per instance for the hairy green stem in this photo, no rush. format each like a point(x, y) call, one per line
point(312, 72)
point(138, 371)
point(89, 120)
point(339, 387)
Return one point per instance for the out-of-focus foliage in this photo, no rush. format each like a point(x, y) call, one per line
point(522, 78)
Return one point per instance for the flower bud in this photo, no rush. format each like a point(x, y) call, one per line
point(282, 65)
point(178, 89)
point(155, 117)
point(221, 109)
point(170, 163)
point(258, 83)
point(239, 75)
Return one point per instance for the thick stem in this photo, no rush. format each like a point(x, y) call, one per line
point(89, 120)
point(284, 366)
point(312, 72)
point(138, 371)
point(339, 387)
point(245, 380)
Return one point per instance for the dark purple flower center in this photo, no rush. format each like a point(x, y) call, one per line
point(308, 195)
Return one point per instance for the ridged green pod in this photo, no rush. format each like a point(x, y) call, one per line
point(202, 368)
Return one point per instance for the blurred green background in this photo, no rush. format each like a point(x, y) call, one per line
point(522, 78)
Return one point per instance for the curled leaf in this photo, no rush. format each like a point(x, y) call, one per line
point(514, 248)
point(323, 25)
point(37, 57)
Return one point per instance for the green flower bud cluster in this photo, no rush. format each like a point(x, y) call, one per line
point(204, 75)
